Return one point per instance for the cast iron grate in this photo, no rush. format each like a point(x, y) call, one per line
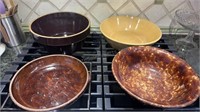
point(103, 92)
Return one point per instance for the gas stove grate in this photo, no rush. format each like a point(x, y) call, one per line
point(103, 92)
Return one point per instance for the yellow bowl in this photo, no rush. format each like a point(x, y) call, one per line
point(125, 31)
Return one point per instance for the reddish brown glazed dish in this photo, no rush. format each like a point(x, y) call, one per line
point(60, 29)
point(156, 77)
point(48, 83)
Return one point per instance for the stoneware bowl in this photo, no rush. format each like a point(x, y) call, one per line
point(48, 83)
point(156, 77)
point(125, 31)
point(60, 28)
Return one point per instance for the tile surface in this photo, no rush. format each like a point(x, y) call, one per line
point(30, 3)
point(25, 9)
point(172, 4)
point(143, 4)
point(45, 7)
point(98, 10)
point(116, 3)
point(87, 3)
point(70, 7)
point(102, 14)
point(129, 9)
point(155, 13)
point(59, 3)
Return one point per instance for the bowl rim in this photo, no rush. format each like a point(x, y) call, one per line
point(59, 37)
point(55, 107)
point(119, 16)
point(145, 100)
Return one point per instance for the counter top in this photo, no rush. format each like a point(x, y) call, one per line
point(9, 56)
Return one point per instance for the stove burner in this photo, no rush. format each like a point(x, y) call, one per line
point(103, 92)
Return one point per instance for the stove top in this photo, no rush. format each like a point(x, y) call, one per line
point(103, 92)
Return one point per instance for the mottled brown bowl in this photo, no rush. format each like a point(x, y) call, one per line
point(49, 83)
point(60, 28)
point(156, 77)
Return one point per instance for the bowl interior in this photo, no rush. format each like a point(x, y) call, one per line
point(49, 82)
point(130, 30)
point(156, 76)
point(60, 24)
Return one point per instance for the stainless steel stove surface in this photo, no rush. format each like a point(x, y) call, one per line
point(103, 92)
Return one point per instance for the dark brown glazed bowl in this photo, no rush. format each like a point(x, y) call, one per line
point(156, 77)
point(49, 83)
point(60, 28)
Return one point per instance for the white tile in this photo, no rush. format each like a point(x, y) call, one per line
point(172, 4)
point(44, 8)
point(23, 11)
point(143, 4)
point(59, 3)
point(155, 12)
point(195, 4)
point(98, 10)
point(93, 21)
point(101, 11)
point(116, 3)
point(87, 3)
point(129, 9)
point(30, 3)
point(73, 6)
point(31, 18)
point(164, 22)
point(142, 16)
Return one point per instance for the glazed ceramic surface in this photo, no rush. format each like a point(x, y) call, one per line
point(156, 77)
point(123, 31)
point(48, 83)
point(61, 28)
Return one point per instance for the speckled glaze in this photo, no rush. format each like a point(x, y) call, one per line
point(156, 77)
point(48, 83)
point(60, 28)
